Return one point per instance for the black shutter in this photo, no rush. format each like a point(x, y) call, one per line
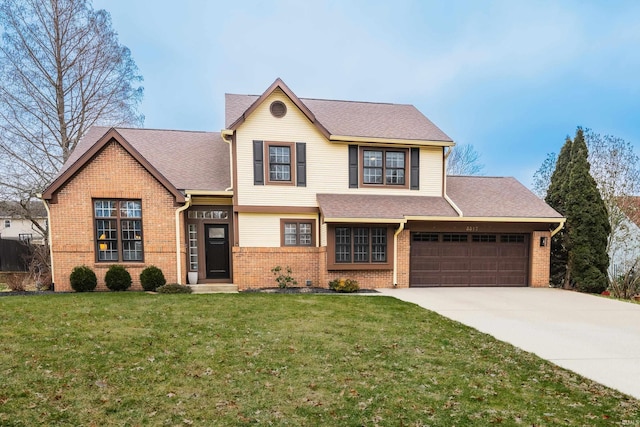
point(258, 163)
point(301, 164)
point(353, 166)
point(415, 168)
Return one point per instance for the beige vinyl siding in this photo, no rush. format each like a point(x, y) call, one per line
point(327, 162)
point(263, 230)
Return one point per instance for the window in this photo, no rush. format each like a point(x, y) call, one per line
point(7, 223)
point(384, 167)
point(193, 247)
point(484, 238)
point(512, 238)
point(118, 230)
point(297, 232)
point(355, 246)
point(279, 163)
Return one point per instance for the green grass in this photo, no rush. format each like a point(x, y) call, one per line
point(113, 359)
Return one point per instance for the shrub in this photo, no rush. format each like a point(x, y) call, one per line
point(283, 277)
point(152, 278)
point(16, 282)
point(83, 279)
point(174, 288)
point(344, 285)
point(117, 278)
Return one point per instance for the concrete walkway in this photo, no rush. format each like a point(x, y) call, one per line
point(593, 336)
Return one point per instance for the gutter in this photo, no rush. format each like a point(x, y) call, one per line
point(395, 253)
point(46, 206)
point(187, 203)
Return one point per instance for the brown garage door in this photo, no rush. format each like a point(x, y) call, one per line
point(457, 259)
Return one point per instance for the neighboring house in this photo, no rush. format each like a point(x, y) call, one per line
point(624, 248)
point(14, 226)
point(329, 188)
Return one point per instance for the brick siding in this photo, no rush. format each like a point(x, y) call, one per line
point(112, 174)
point(540, 268)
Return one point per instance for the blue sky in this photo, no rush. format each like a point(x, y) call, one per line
point(512, 78)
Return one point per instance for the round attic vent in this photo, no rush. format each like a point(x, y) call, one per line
point(278, 109)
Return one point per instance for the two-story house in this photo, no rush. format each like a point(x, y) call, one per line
point(328, 188)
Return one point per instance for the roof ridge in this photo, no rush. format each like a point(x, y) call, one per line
point(159, 130)
point(335, 100)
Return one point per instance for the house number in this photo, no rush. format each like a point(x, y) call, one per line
point(469, 228)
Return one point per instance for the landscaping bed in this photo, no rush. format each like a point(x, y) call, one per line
point(305, 290)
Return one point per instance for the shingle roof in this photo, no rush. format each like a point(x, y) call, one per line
point(479, 197)
point(356, 119)
point(189, 160)
point(381, 206)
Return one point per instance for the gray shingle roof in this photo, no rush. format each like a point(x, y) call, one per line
point(481, 197)
point(189, 160)
point(381, 206)
point(356, 119)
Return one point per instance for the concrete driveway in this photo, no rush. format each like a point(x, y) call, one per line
point(593, 336)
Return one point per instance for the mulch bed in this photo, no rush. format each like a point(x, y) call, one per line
point(306, 290)
point(25, 293)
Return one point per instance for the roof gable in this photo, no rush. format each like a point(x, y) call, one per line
point(278, 84)
point(341, 120)
point(74, 166)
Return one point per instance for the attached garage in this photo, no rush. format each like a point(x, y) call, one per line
point(467, 259)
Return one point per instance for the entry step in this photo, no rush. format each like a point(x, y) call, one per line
point(214, 288)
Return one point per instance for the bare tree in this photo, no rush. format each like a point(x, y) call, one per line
point(616, 168)
point(542, 177)
point(464, 160)
point(62, 70)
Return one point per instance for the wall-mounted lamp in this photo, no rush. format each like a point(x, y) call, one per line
point(543, 241)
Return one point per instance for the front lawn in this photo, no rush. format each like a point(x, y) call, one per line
point(113, 359)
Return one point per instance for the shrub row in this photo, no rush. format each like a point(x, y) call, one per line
point(83, 279)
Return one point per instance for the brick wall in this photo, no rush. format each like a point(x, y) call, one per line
point(112, 174)
point(252, 266)
point(540, 260)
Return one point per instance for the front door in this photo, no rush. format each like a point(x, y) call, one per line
point(217, 250)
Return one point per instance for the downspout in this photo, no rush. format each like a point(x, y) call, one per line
point(46, 206)
point(395, 254)
point(444, 190)
point(558, 228)
point(187, 203)
point(224, 134)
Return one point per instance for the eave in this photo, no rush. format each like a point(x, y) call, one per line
point(390, 141)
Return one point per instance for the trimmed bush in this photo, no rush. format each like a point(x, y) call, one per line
point(117, 278)
point(344, 285)
point(174, 288)
point(152, 278)
point(83, 279)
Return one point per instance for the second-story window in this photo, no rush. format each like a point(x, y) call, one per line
point(384, 167)
point(279, 163)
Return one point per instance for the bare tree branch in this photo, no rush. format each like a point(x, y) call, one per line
point(464, 160)
point(62, 70)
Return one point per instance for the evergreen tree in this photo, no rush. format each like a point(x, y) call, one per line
point(588, 224)
point(556, 198)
